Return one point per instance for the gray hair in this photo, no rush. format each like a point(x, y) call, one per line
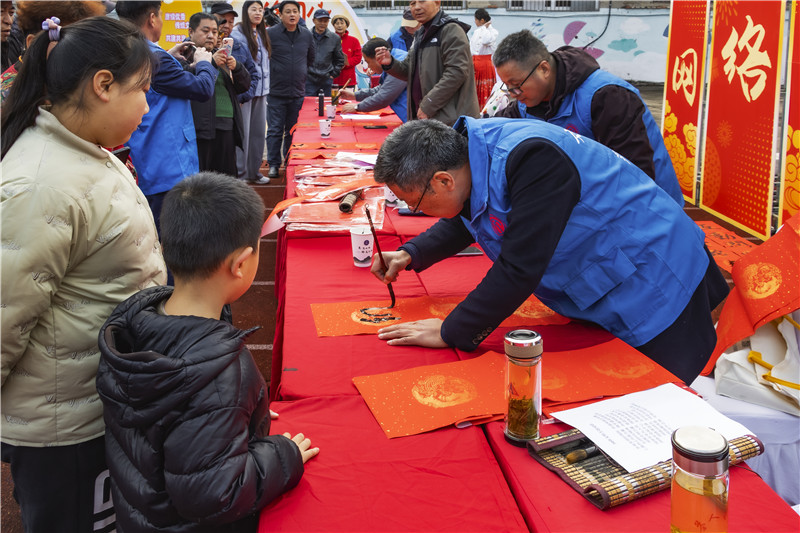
point(415, 151)
point(522, 47)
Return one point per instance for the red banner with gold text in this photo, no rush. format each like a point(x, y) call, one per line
point(790, 177)
point(744, 80)
point(683, 90)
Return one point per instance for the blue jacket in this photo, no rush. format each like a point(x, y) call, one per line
point(379, 97)
point(629, 259)
point(164, 146)
point(260, 65)
point(575, 114)
point(242, 55)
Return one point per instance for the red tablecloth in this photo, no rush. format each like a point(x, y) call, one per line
point(549, 504)
point(447, 480)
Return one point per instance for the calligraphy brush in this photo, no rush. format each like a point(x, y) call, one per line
point(378, 247)
point(335, 99)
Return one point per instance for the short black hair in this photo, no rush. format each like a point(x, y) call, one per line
point(197, 18)
point(523, 48)
point(482, 14)
point(286, 3)
point(417, 150)
point(204, 219)
point(370, 46)
point(137, 11)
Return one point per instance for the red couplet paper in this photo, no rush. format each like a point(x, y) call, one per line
point(790, 182)
point(766, 286)
point(744, 81)
point(683, 90)
point(367, 317)
point(724, 245)
point(425, 398)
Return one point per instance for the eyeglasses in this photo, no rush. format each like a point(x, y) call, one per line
point(421, 196)
point(516, 91)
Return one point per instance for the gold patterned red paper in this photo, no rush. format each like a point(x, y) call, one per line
point(789, 204)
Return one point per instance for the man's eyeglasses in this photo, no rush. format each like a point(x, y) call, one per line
point(421, 196)
point(516, 91)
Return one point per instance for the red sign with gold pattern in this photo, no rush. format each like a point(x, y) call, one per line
point(790, 178)
point(683, 89)
point(744, 80)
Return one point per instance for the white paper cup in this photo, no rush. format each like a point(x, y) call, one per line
point(389, 197)
point(324, 127)
point(362, 243)
point(330, 111)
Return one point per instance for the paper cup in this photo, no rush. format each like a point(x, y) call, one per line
point(330, 111)
point(324, 127)
point(389, 197)
point(362, 242)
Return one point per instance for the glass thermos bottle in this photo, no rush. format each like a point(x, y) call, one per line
point(523, 349)
point(699, 499)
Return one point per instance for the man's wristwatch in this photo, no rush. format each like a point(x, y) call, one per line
point(389, 66)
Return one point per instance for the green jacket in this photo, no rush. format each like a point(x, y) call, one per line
point(442, 58)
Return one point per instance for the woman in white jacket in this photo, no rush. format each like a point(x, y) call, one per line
point(78, 239)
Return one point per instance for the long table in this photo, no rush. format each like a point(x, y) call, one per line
point(451, 479)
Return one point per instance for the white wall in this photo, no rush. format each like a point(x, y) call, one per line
point(634, 46)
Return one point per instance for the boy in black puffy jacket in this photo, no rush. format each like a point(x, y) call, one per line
point(186, 409)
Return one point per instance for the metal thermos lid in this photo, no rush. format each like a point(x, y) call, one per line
point(700, 450)
point(523, 344)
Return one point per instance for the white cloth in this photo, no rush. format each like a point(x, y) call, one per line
point(780, 433)
point(483, 40)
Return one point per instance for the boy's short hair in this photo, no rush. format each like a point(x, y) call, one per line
point(137, 11)
point(370, 46)
point(204, 219)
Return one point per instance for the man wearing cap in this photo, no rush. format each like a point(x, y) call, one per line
point(438, 68)
point(404, 36)
point(292, 53)
point(351, 48)
point(328, 56)
point(225, 15)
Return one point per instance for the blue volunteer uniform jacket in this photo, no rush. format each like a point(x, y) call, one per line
point(575, 114)
point(629, 259)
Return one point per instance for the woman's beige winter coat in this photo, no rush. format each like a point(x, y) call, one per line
point(78, 238)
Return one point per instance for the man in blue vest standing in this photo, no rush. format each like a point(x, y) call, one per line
point(561, 217)
point(164, 146)
point(567, 88)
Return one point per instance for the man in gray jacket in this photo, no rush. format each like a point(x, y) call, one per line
point(438, 68)
point(328, 56)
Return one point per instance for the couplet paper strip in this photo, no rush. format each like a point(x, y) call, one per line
point(724, 245)
point(408, 402)
point(741, 112)
point(790, 178)
point(683, 90)
point(766, 286)
point(338, 319)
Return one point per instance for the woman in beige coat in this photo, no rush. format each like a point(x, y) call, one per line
point(78, 238)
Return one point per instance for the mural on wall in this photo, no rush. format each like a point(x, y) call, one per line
point(683, 90)
point(631, 47)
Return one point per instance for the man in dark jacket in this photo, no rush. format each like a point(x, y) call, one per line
point(218, 120)
point(438, 68)
point(292, 53)
point(186, 409)
point(567, 88)
point(328, 56)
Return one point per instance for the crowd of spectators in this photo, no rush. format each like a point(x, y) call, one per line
point(183, 130)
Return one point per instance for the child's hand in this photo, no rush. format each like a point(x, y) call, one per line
point(306, 451)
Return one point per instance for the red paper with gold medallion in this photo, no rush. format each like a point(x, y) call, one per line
point(683, 90)
point(790, 182)
point(744, 80)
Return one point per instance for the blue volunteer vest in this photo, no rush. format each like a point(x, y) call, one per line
point(629, 259)
point(575, 114)
point(400, 105)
